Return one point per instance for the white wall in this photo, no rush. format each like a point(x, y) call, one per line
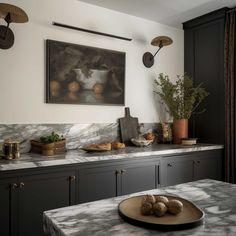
point(22, 68)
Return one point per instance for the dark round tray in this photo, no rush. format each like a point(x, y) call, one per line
point(190, 217)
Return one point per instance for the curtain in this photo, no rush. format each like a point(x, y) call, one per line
point(230, 96)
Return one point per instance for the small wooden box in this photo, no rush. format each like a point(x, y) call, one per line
point(48, 149)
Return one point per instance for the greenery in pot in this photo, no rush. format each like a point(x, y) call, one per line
point(181, 98)
point(53, 137)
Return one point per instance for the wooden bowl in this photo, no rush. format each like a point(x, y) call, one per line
point(191, 216)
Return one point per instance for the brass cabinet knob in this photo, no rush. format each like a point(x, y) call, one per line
point(21, 185)
point(72, 178)
point(123, 171)
point(14, 186)
point(118, 172)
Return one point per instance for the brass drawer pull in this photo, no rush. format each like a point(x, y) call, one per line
point(72, 178)
point(118, 172)
point(14, 186)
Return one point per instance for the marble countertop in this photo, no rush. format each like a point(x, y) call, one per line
point(217, 199)
point(32, 160)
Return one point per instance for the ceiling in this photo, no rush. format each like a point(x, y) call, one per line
point(168, 12)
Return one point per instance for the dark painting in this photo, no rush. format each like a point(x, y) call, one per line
point(79, 74)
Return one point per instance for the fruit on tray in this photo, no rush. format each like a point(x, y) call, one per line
point(146, 209)
point(159, 205)
point(175, 206)
point(159, 209)
point(161, 199)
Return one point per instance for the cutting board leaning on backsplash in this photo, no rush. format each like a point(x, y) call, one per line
point(129, 127)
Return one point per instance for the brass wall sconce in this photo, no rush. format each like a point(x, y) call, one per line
point(161, 41)
point(11, 14)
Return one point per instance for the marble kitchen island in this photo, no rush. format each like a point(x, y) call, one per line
point(217, 199)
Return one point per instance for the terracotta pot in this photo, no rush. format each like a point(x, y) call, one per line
point(180, 130)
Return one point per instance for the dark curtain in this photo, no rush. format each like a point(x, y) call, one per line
point(230, 96)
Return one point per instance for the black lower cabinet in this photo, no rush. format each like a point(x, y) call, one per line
point(97, 183)
point(25, 198)
point(39, 193)
point(176, 170)
point(208, 166)
point(8, 202)
point(185, 168)
point(109, 181)
point(136, 178)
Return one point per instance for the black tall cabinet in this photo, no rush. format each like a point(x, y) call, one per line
point(204, 61)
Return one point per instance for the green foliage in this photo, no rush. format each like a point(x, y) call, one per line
point(182, 98)
point(53, 137)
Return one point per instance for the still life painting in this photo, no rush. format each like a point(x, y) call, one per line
point(78, 74)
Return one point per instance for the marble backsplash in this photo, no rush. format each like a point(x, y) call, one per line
point(77, 135)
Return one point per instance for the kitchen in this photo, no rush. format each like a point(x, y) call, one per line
point(44, 89)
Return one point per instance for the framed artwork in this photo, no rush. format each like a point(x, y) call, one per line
point(79, 74)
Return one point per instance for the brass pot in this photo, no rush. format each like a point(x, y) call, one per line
point(11, 149)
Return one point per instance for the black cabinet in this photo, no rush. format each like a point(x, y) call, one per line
point(25, 198)
point(208, 166)
point(39, 193)
point(8, 200)
point(176, 170)
point(204, 61)
point(113, 180)
point(186, 168)
point(96, 183)
point(139, 177)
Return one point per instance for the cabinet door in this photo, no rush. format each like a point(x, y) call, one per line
point(38, 193)
point(176, 171)
point(97, 183)
point(140, 177)
point(204, 61)
point(8, 207)
point(208, 168)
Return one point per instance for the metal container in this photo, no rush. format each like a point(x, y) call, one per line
point(11, 149)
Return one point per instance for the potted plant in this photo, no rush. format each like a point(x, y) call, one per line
point(49, 145)
point(182, 99)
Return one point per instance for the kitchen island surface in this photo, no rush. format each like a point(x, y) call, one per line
point(217, 199)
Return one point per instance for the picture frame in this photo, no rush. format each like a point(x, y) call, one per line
point(84, 75)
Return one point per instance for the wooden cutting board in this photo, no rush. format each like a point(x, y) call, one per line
point(129, 127)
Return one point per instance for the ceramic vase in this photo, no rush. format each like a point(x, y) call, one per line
point(180, 130)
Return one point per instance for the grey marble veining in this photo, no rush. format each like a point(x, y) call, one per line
point(32, 160)
point(217, 199)
point(77, 135)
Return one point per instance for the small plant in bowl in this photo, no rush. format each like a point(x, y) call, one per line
point(49, 145)
point(53, 137)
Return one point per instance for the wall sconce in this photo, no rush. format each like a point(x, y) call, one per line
point(161, 41)
point(11, 14)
